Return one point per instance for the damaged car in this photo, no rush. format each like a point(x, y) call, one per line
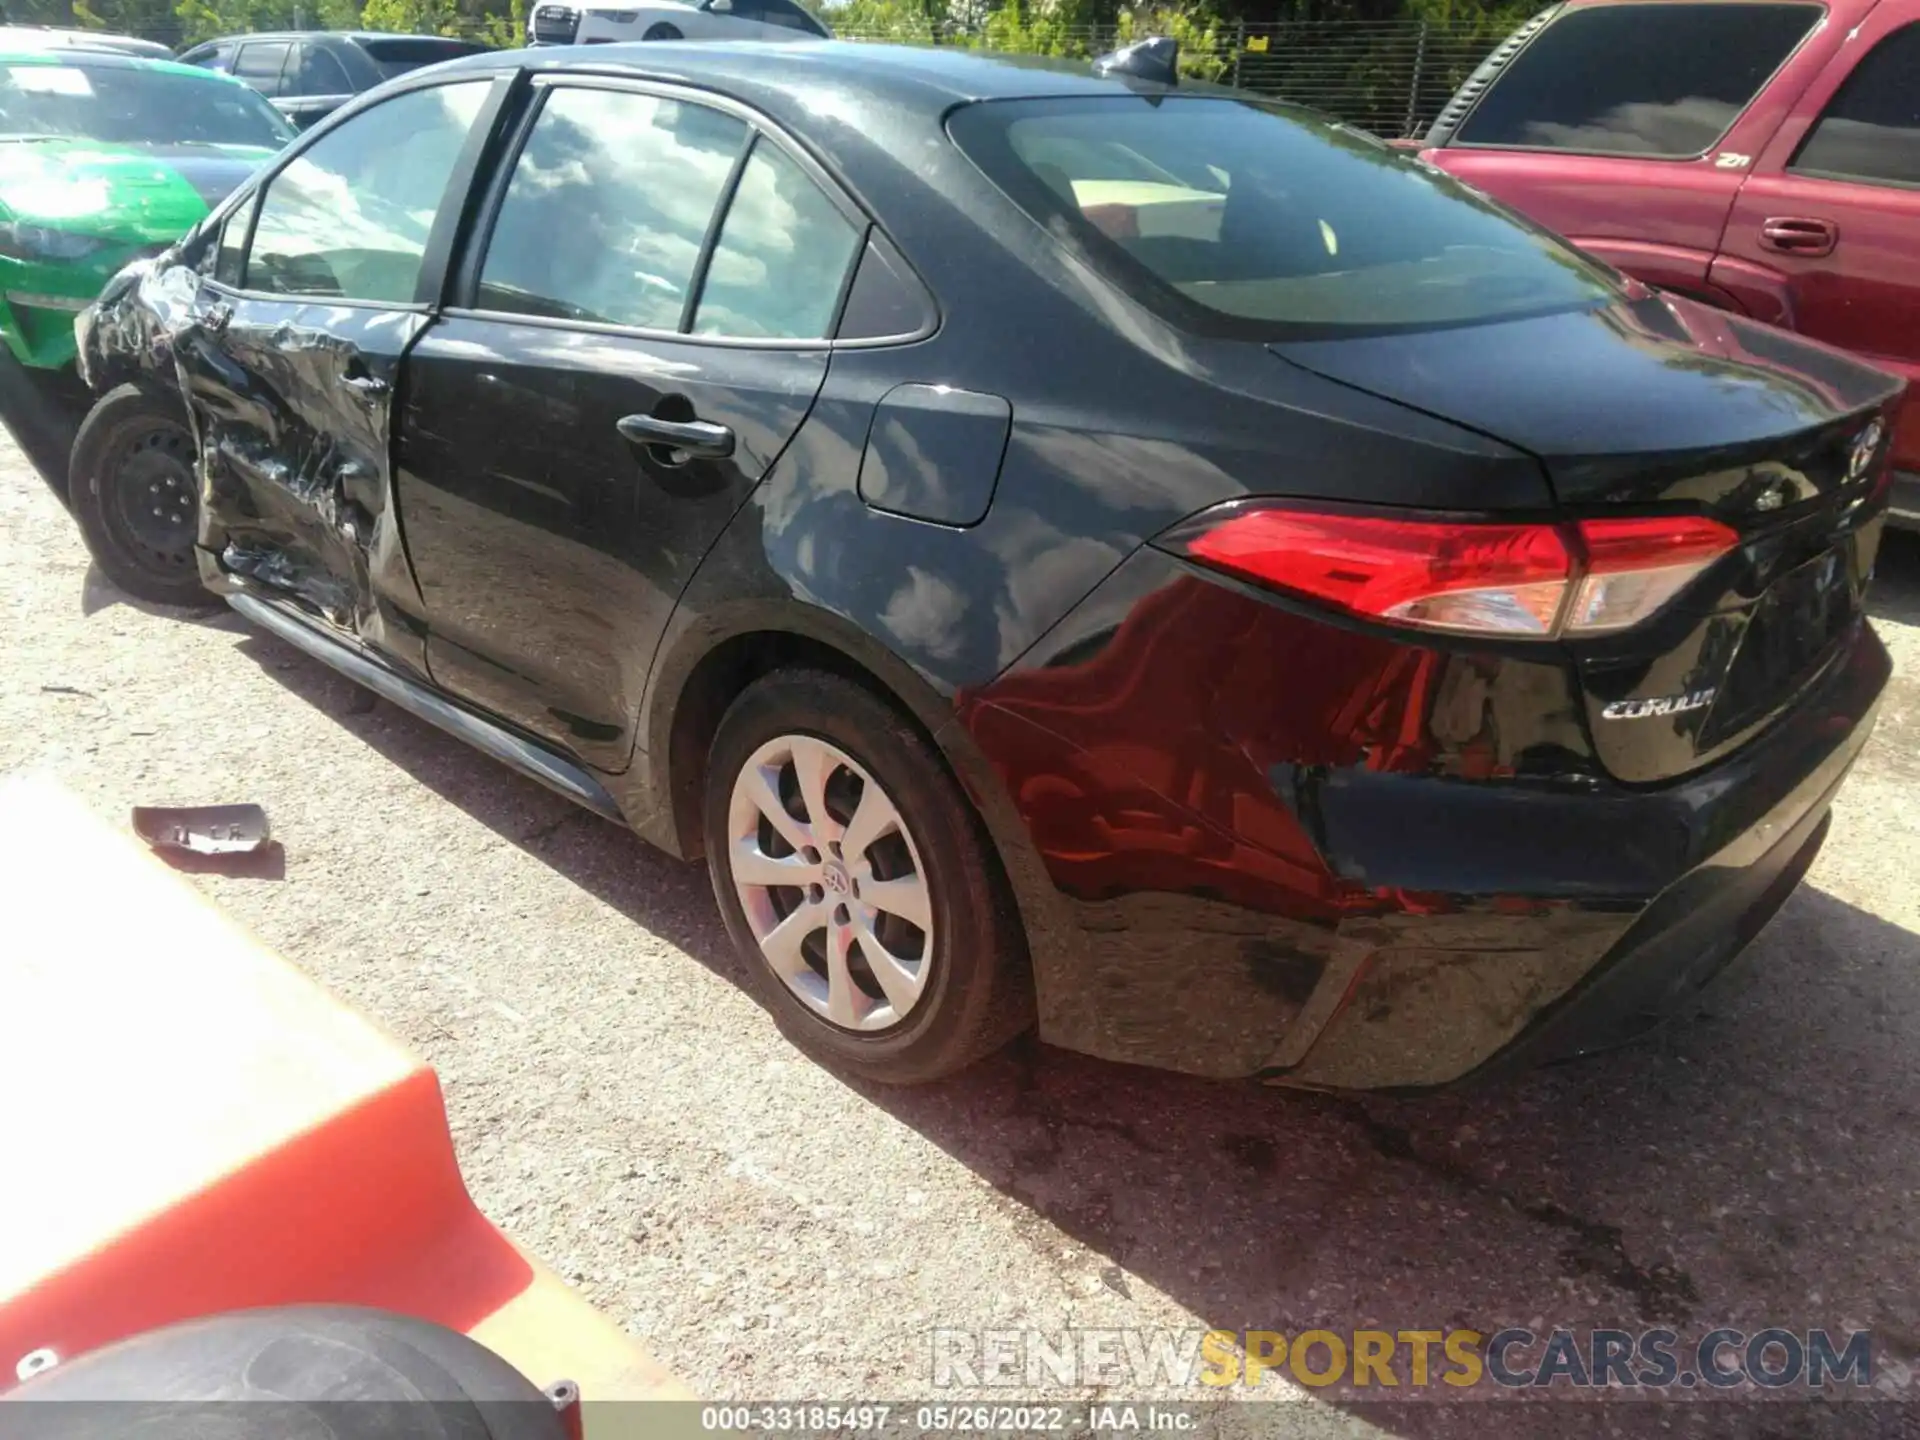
point(1066, 547)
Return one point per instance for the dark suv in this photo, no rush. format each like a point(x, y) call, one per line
point(310, 74)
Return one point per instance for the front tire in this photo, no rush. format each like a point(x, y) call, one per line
point(663, 31)
point(134, 490)
point(859, 884)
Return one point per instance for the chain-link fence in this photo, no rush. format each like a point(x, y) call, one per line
point(1391, 76)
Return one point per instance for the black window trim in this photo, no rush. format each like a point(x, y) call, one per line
point(1813, 29)
point(464, 279)
point(433, 260)
point(1837, 177)
point(716, 222)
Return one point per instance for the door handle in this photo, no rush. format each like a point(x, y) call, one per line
point(367, 387)
point(690, 439)
point(1800, 235)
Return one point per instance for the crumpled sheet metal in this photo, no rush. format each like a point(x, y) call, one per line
point(131, 325)
point(293, 479)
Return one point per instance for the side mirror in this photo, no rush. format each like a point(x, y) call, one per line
point(720, 7)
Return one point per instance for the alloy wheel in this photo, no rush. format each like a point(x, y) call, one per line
point(831, 883)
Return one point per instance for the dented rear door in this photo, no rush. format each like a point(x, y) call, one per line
point(294, 366)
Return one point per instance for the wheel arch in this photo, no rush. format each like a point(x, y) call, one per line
point(699, 674)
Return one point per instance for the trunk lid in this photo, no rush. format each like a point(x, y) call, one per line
point(1652, 406)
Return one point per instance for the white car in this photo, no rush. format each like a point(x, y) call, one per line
point(552, 23)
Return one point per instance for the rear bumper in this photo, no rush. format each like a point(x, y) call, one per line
point(1229, 865)
point(1738, 837)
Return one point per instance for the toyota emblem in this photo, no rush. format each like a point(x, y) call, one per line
point(1865, 446)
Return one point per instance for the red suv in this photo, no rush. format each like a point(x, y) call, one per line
point(1764, 157)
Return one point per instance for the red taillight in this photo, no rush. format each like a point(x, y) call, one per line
point(1520, 581)
point(1634, 566)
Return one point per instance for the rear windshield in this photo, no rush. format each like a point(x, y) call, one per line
point(1656, 80)
point(124, 105)
point(1262, 220)
point(397, 57)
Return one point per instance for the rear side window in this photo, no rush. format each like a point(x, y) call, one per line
point(1871, 128)
point(397, 57)
point(608, 208)
point(349, 217)
point(1268, 222)
point(781, 258)
point(1652, 80)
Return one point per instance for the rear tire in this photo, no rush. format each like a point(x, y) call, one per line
point(134, 491)
point(898, 857)
point(663, 31)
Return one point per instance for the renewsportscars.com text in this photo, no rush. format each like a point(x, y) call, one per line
point(1770, 1358)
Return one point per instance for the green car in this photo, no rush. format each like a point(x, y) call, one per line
point(104, 158)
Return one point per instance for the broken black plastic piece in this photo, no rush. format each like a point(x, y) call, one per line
point(1157, 59)
point(202, 829)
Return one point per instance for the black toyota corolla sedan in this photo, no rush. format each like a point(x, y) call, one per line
point(1066, 548)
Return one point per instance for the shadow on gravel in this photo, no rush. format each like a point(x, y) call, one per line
point(1752, 1167)
point(1758, 1166)
point(1896, 582)
point(98, 593)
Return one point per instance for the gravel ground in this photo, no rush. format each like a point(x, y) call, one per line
point(768, 1230)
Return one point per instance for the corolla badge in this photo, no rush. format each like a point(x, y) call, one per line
point(1865, 446)
point(1659, 705)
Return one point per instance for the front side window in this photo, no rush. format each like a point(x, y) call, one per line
point(350, 216)
point(1268, 222)
point(230, 253)
point(608, 208)
point(132, 106)
point(781, 258)
point(1652, 80)
point(260, 64)
point(1871, 128)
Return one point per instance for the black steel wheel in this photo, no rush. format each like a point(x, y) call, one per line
point(135, 491)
